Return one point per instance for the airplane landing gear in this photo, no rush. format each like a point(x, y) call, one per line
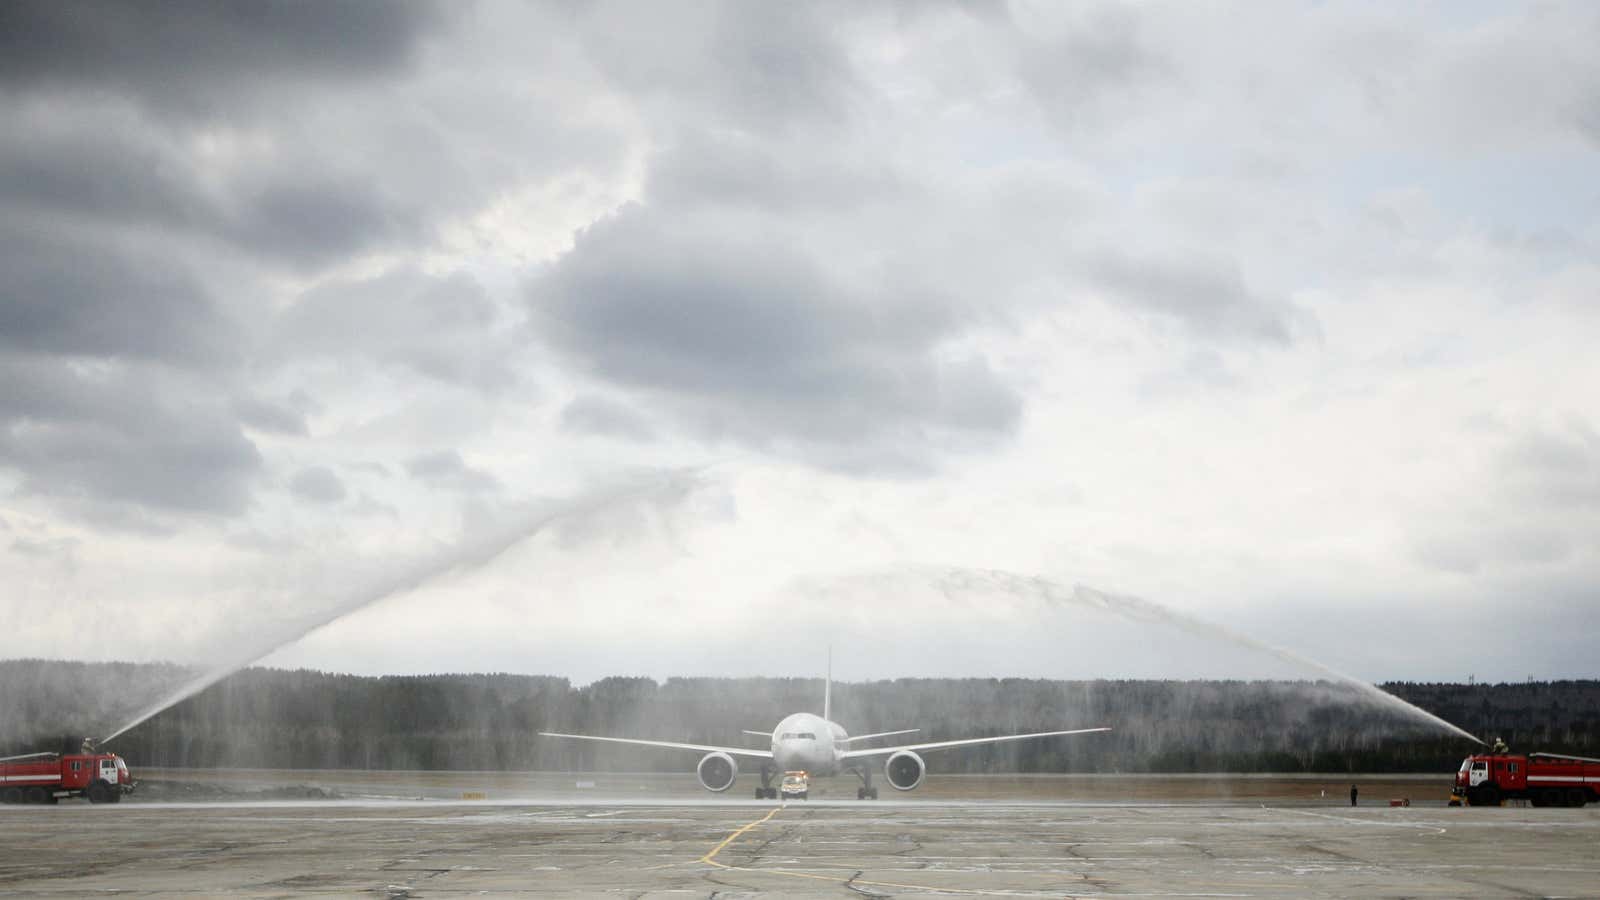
point(866, 791)
point(767, 791)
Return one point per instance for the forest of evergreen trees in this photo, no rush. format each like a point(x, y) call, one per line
point(268, 718)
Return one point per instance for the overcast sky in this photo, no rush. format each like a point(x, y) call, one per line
point(1283, 316)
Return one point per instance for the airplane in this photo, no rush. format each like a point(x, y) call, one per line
point(818, 746)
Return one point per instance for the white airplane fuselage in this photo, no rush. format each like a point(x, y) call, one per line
point(809, 743)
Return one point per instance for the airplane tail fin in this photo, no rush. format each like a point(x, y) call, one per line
point(827, 689)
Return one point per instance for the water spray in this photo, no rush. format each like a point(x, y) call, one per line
point(1140, 610)
point(664, 488)
point(955, 581)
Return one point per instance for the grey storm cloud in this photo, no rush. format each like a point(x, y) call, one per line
point(748, 336)
point(127, 433)
point(142, 177)
point(1207, 295)
point(112, 356)
point(599, 416)
point(1095, 67)
point(293, 210)
point(200, 56)
point(110, 359)
point(761, 67)
point(441, 327)
point(1554, 467)
point(733, 171)
point(317, 484)
point(74, 296)
point(268, 416)
point(314, 219)
point(445, 469)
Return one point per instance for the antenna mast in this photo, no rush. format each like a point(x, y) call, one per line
point(827, 689)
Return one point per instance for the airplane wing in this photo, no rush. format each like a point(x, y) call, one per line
point(765, 734)
point(731, 751)
point(940, 745)
point(862, 737)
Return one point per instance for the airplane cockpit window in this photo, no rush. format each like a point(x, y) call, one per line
point(807, 736)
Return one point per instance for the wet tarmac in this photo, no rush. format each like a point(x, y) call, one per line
point(711, 846)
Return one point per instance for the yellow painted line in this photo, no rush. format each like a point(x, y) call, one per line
point(710, 859)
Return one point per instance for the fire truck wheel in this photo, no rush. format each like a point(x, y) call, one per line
point(35, 795)
point(11, 795)
point(1576, 797)
point(97, 793)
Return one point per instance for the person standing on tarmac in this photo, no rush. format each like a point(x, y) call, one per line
point(1352, 795)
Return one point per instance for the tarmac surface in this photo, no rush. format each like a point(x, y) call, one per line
point(686, 844)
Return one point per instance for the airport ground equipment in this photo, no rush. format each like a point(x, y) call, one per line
point(795, 786)
point(1543, 779)
point(47, 777)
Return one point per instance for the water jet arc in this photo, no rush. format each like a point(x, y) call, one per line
point(955, 580)
point(669, 487)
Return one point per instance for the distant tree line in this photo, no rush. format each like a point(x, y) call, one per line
point(269, 718)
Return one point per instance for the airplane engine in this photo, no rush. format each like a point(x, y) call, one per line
point(717, 771)
point(904, 770)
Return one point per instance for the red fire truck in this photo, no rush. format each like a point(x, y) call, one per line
point(1544, 779)
point(47, 777)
